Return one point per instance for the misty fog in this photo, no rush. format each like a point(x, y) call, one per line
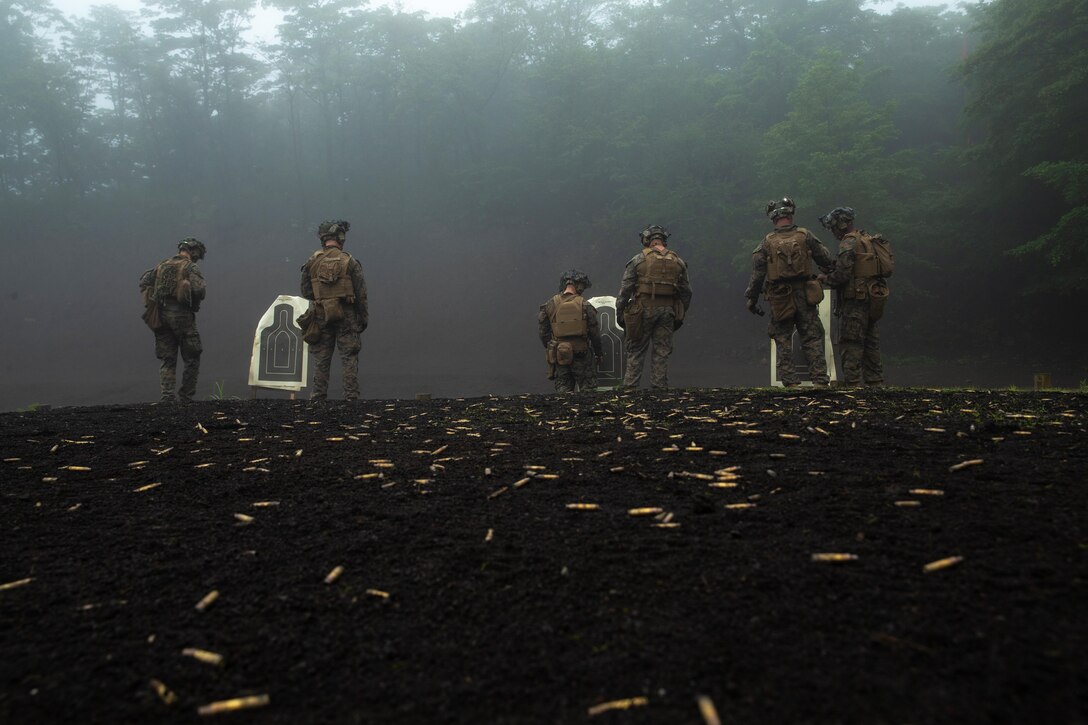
point(477, 158)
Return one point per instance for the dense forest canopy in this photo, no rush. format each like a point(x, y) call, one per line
point(489, 151)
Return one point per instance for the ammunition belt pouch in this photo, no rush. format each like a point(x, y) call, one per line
point(814, 292)
point(780, 298)
point(878, 297)
point(563, 351)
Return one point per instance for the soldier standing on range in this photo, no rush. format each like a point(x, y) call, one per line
point(333, 279)
point(570, 333)
point(653, 299)
point(782, 269)
point(858, 277)
point(175, 288)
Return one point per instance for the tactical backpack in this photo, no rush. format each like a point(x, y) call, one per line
point(873, 256)
point(788, 255)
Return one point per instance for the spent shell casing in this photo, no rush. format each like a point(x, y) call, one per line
point(965, 464)
point(927, 492)
point(207, 601)
point(165, 693)
point(378, 593)
point(148, 487)
point(15, 584)
point(736, 506)
point(647, 511)
point(203, 655)
point(708, 711)
point(834, 557)
point(238, 703)
point(334, 574)
point(244, 519)
point(583, 506)
point(942, 564)
point(624, 704)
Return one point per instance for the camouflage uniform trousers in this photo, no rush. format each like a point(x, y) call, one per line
point(337, 335)
point(806, 320)
point(580, 375)
point(657, 328)
point(860, 341)
point(178, 331)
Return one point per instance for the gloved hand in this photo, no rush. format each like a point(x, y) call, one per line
point(754, 308)
point(619, 319)
point(677, 324)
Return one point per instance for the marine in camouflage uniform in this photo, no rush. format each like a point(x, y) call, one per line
point(177, 286)
point(654, 297)
point(790, 290)
point(859, 337)
point(344, 300)
point(581, 373)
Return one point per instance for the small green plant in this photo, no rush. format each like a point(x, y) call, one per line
point(219, 389)
point(1082, 386)
point(32, 408)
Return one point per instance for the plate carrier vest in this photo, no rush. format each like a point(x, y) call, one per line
point(658, 275)
point(568, 322)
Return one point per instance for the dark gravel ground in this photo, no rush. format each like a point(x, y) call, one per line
point(471, 592)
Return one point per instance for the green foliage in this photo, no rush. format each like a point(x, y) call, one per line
point(1029, 94)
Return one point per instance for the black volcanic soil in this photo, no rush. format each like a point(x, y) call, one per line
point(468, 598)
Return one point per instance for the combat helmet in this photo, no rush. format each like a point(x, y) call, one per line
point(333, 229)
point(194, 247)
point(838, 218)
point(580, 280)
point(780, 208)
point(652, 231)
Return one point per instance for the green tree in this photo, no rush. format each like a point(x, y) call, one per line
point(1028, 99)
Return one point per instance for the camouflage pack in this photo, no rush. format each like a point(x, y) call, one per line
point(172, 281)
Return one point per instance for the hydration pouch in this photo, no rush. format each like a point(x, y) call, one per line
point(152, 315)
point(564, 353)
point(334, 311)
point(878, 297)
point(311, 330)
point(814, 292)
point(780, 298)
